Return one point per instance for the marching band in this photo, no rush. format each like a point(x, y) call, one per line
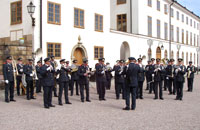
point(129, 79)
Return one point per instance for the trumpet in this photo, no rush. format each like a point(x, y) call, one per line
point(15, 71)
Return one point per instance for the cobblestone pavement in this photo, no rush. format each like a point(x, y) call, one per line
point(104, 115)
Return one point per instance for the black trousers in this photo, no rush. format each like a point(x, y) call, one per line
point(108, 85)
point(29, 89)
point(9, 87)
point(47, 95)
point(151, 87)
point(65, 86)
point(132, 91)
point(140, 89)
point(179, 86)
point(55, 87)
point(174, 86)
point(148, 85)
point(165, 83)
point(190, 84)
point(72, 87)
point(38, 86)
point(97, 85)
point(86, 87)
point(102, 89)
point(120, 87)
point(170, 81)
point(156, 85)
point(19, 80)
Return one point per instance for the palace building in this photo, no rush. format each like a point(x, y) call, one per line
point(114, 29)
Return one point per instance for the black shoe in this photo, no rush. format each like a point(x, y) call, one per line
point(104, 99)
point(18, 94)
point(126, 108)
point(155, 98)
point(176, 99)
point(33, 98)
point(82, 100)
point(100, 99)
point(117, 98)
point(141, 98)
point(71, 95)
point(161, 98)
point(77, 94)
point(51, 105)
point(47, 107)
point(13, 100)
point(60, 104)
point(7, 101)
point(55, 95)
point(132, 108)
point(180, 99)
point(88, 100)
point(28, 99)
point(170, 94)
point(68, 103)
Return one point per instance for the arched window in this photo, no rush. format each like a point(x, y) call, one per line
point(190, 56)
point(183, 57)
point(158, 53)
point(194, 59)
point(165, 54)
point(172, 54)
point(149, 54)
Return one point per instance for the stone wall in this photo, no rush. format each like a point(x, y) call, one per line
point(15, 49)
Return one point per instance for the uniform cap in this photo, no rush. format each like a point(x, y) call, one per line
point(9, 58)
point(19, 59)
point(62, 60)
point(46, 59)
point(131, 58)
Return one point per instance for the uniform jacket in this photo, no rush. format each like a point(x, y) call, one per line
point(170, 71)
point(132, 71)
point(74, 75)
point(63, 74)
point(141, 74)
point(192, 70)
point(158, 74)
point(8, 72)
point(99, 75)
point(119, 75)
point(81, 71)
point(47, 76)
point(28, 69)
point(179, 75)
point(20, 69)
point(38, 71)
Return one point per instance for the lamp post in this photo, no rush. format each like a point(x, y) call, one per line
point(170, 33)
point(162, 47)
point(198, 50)
point(178, 48)
point(150, 43)
point(31, 11)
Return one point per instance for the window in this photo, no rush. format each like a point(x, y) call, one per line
point(158, 5)
point(177, 55)
point(187, 37)
point(187, 20)
point(165, 54)
point(191, 38)
point(158, 28)
point(194, 24)
point(78, 18)
point(149, 3)
point(182, 18)
point(194, 59)
point(98, 52)
point(197, 40)
point(54, 49)
point(166, 9)
point(187, 58)
point(177, 15)
point(16, 12)
point(172, 32)
point(166, 31)
point(54, 11)
point(183, 36)
point(177, 34)
point(197, 26)
point(190, 22)
point(190, 56)
point(183, 56)
point(121, 22)
point(172, 54)
point(172, 12)
point(98, 22)
point(121, 2)
point(149, 26)
point(194, 39)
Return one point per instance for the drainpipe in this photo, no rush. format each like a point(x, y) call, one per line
point(131, 17)
point(41, 24)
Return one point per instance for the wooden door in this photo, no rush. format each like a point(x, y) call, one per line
point(78, 56)
point(158, 53)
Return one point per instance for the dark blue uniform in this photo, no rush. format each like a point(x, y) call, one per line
point(38, 82)
point(9, 86)
point(28, 71)
point(148, 76)
point(63, 84)
point(132, 71)
point(190, 77)
point(170, 78)
point(19, 77)
point(179, 71)
point(74, 80)
point(108, 78)
point(48, 84)
point(120, 81)
point(84, 81)
point(141, 79)
point(151, 72)
point(101, 80)
point(55, 84)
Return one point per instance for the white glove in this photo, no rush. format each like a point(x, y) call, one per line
point(102, 72)
point(152, 75)
point(188, 69)
point(141, 65)
point(48, 68)
point(179, 69)
point(167, 77)
point(31, 75)
point(14, 71)
point(176, 71)
point(6, 81)
point(159, 69)
point(21, 70)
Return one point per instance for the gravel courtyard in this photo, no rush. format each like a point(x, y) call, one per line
point(104, 115)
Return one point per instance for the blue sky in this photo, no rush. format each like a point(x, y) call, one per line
point(192, 5)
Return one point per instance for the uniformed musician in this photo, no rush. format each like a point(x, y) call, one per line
point(140, 79)
point(108, 76)
point(179, 71)
point(29, 72)
point(47, 72)
point(8, 74)
point(84, 74)
point(63, 80)
point(151, 71)
point(148, 75)
point(170, 75)
point(19, 76)
point(101, 78)
point(190, 76)
point(74, 78)
point(38, 81)
point(54, 65)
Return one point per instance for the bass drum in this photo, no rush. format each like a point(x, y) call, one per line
point(24, 80)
